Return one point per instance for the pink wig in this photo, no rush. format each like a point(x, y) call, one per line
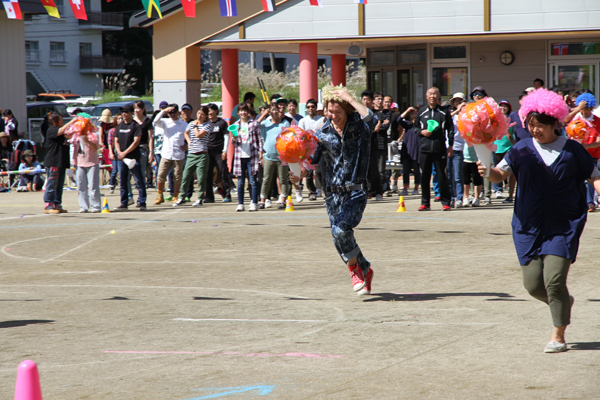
point(544, 102)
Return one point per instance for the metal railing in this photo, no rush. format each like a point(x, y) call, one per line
point(58, 56)
point(101, 62)
point(96, 18)
point(32, 56)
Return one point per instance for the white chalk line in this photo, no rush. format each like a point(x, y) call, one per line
point(247, 320)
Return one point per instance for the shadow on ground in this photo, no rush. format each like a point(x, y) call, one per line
point(25, 322)
point(584, 346)
point(432, 296)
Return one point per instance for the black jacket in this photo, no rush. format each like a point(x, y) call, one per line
point(436, 143)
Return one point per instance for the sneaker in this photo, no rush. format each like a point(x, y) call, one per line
point(137, 203)
point(82, 211)
point(227, 199)
point(197, 203)
point(358, 280)
point(555, 347)
point(508, 200)
point(209, 200)
point(404, 192)
point(487, 201)
point(280, 206)
point(61, 210)
point(591, 207)
point(169, 197)
point(458, 204)
point(299, 197)
point(378, 197)
point(466, 203)
point(143, 207)
point(415, 192)
point(437, 199)
point(111, 189)
point(130, 201)
point(22, 189)
point(240, 207)
point(367, 288)
point(159, 200)
point(319, 193)
point(253, 207)
point(394, 190)
point(261, 206)
point(312, 197)
point(475, 203)
point(446, 208)
point(179, 202)
point(268, 203)
point(453, 203)
point(499, 195)
point(96, 211)
point(424, 208)
point(187, 199)
point(388, 194)
point(50, 209)
point(122, 207)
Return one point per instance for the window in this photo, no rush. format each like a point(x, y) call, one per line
point(279, 65)
point(386, 57)
point(450, 80)
point(576, 77)
point(85, 49)
point(321, 63)
point(32, 51)
point(58, 55)
point(574, 49)
point(60, 6)
point(412, 56)
point(449, 52)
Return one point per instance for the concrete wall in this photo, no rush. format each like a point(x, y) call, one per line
point(12, 68)
point(508, 81)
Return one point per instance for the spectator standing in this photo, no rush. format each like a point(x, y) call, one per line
point(312, 122)
point(85, 158)
point(455, 162)
point(249, 97)
point(367, 98)
point(218, 142)
point(292, 108)
point(11, 125)
point(502, 147)
point(269, 130)
point(112, 153)
point(409, 153)
point(146, 144)
point(520, 128)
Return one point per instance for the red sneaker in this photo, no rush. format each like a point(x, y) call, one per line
point(437, 198)
point(358, 280)
point(424, 208)
point(367, 288)
point(446, 208)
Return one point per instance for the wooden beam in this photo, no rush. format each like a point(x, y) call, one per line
point(242, 30)
point(487, 15)
point(361, 20)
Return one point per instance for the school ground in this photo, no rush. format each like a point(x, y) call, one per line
point(182, 303)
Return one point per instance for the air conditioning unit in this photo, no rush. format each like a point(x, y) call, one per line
point(355, 50)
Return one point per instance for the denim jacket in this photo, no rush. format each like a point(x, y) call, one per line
point(345, 160)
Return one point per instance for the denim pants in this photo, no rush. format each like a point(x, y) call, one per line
point(455, 169)
point(590, 191)
point(197, 163)
point(115, 171)
point(435, 182)
point(35, 179)
point(247, 168)
point(345, 213)
point(89, 178)
point(143, 163)
point(126, 189)
point(54, 186)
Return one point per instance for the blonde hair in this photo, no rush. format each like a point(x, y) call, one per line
point(328, 95)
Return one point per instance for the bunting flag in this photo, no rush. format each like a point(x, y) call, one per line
point(316, 3)
point(360, 1)
point(228, 8)
point(78, 9)
point(13, 10)
point(268, 5)
point(51, 8)
point(189, 8)
point(149, 5)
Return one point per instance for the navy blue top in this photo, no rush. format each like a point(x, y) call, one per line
point(520, 129)
point(550, 210)
point(344, 160)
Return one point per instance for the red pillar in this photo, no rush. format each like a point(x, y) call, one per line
point(338, 69)
point(309, 64)
point(230, 83)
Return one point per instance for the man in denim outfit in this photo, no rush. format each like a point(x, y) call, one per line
point(343, 157)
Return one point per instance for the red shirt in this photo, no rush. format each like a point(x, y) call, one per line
point(594, 152)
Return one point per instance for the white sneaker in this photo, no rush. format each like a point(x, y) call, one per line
point(82, 211)
point(395, 188)
point(268, 203)
point(240, 207)
point(458, 204)
point(253, 207)
point(466, 202)
point(22, 189)
point(378, 197)
point(487, 201)
point(499, 195)
point(299, 197)
point(475, 203)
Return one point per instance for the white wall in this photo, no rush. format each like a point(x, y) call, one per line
point(12, 68)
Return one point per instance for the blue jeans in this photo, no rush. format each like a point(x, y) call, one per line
point(435, 182)
point(455, 179)
point(54, 187)
point(247, 167)
point(114, 173)
point(139, 182)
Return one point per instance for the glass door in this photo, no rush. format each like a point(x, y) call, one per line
point(574, 76)
point(375, 81)
point(411, 88)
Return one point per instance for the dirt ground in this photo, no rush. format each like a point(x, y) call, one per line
point(185, 303)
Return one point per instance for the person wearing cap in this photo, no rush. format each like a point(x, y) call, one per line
point(163, 104)
point(455, 162)
point(56, 163)
point(433, 151)
point(85, 158)
point(502, 147)
point(312, 122)
point(105, 124)
point(173, 150)
point(31, 173)
point(128, 135)
point(321, 110)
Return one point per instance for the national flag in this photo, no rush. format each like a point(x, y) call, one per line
point(560, 49)
point(51, 8)
point(360, 1)
point(316, 3)
point(268, 5)
point(78, 9)
point(149, 5)
point(189, 8)
point(228, 8)
point(13, 10)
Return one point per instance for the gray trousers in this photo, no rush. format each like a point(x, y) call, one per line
point(89, 178)
point(545, 278)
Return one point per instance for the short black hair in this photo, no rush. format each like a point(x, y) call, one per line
point(293, 101)
point(312, 101)
point(249, 96)
point(367, 93)
point(539, 80)
point(175, 106)
point(274, 96)
point(213, 107)
point(523, 94)
point(377, 94)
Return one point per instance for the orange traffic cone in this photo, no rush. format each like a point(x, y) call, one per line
point(288, 204)
point(28, 382)
point(401, 207)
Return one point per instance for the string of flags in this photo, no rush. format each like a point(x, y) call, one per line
point(228, 8)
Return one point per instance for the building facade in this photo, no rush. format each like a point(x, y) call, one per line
point(66, 53)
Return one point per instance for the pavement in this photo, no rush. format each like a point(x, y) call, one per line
point(198, 303)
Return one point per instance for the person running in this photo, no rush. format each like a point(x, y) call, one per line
point(56, 163)
point(550, 208)
point(343, 155)
point(196, 136)
point(248, 146)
